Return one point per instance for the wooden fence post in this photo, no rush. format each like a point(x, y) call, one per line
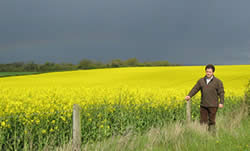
point(188, 109)
point(76, 128)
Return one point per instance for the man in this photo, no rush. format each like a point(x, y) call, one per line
point(211, 88)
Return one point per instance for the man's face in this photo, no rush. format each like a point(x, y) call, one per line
point(209, 72)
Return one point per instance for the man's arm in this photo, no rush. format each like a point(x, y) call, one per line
point(195, 89)
point(221, 92)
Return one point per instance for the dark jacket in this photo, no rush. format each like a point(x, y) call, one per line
point(209, 92)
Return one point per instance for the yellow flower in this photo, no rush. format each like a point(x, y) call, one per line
point(53, 121)
point(37, 121)
point(43, 131)
point(63, 118)
point(3, 124)
point(69, 115)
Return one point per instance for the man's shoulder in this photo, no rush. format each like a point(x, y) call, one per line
point(218, 80)
point(201, 78)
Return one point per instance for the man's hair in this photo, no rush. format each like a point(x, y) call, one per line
point(210, 66)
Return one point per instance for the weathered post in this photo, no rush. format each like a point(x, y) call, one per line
point(76, 128)
point(188, 109)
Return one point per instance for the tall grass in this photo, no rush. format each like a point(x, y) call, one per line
point(232, 134)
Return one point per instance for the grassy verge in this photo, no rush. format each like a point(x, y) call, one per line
point(232, 134)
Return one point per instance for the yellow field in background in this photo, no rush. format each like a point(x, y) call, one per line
point(28, 93)
point(94, 86)
point(234, 77)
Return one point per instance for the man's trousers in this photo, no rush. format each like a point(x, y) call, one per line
point(207, 116)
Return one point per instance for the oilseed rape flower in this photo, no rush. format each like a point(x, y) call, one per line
point(43, 131)
point(3, 124)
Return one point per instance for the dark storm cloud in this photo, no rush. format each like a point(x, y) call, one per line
point(188, 32)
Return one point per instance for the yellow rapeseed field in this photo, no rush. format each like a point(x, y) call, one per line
point(35, 92)
point(43, 102)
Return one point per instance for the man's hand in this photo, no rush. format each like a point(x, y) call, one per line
point(221, 105)
point(187, 98)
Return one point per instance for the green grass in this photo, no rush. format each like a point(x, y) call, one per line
point(233, 133)
point(6, 74)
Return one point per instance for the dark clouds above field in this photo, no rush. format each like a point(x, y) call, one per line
point(180, 31)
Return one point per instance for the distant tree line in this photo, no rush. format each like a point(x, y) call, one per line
point(83, 64)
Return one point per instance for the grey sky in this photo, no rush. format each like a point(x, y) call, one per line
point(180, 31)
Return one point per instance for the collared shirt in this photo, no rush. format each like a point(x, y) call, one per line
point(209, 79)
